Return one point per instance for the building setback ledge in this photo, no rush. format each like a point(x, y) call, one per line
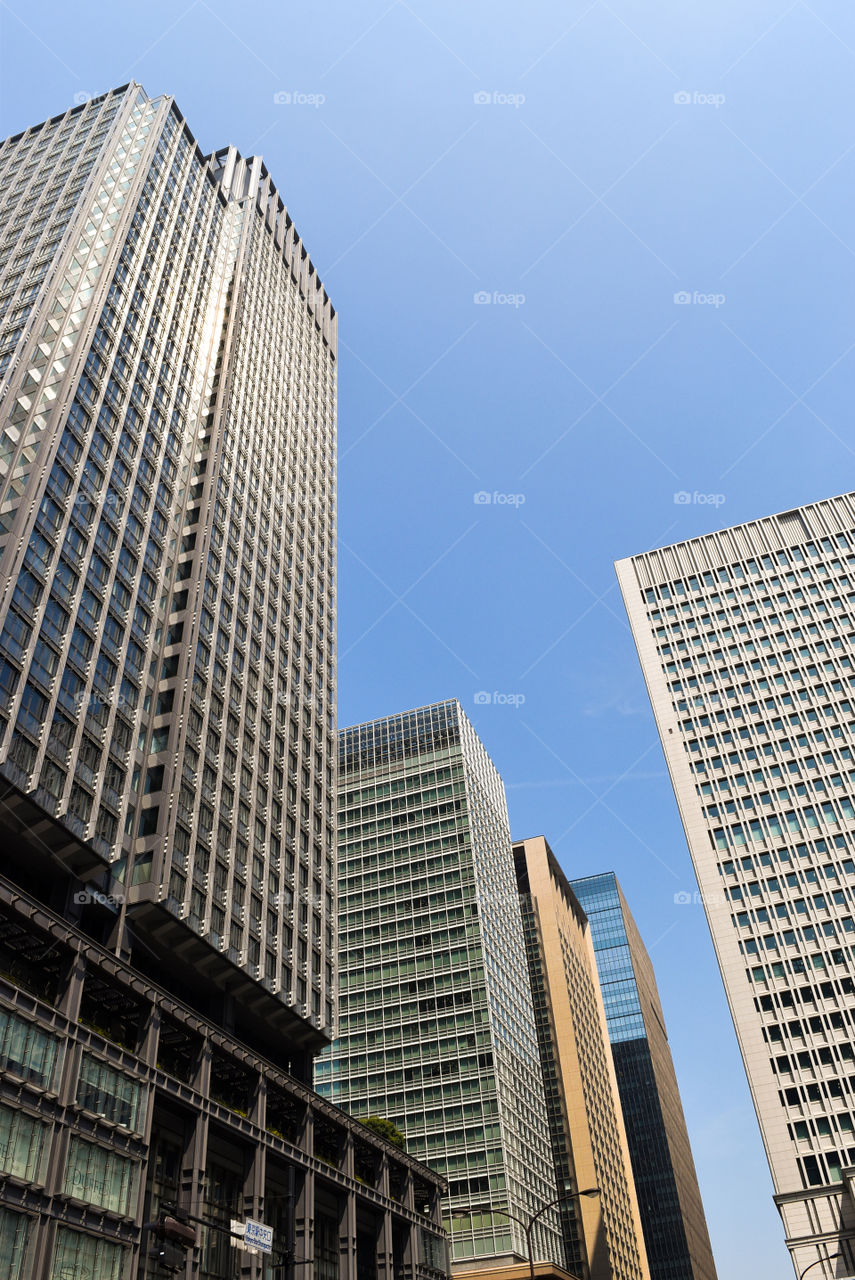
point(172, 941)
point(485, 1270)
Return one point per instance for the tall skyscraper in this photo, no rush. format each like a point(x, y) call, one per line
point(745, 638)
point(437, 1029)
point(602, 1233)
point(669, 1199)
point(167, 736)
point(167, 536)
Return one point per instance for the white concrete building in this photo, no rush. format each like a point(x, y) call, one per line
point(746, 642)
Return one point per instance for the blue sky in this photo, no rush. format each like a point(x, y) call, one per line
point(580, 164)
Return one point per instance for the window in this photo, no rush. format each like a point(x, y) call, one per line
point(148, 821)
point(14, 1229)
point(21, 1143)
point(78, 1255)
point(99, 1177)
point(102, 1089)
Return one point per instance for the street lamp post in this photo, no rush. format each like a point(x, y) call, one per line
point(811, 1265)
point(527, 1226)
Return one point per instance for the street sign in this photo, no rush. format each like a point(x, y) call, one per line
point(258, 1236)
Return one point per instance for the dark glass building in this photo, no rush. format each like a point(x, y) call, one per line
point(669, 1200)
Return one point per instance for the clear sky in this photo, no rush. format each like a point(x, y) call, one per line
point(579, 164)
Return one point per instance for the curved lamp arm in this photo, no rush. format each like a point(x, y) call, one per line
point(811, 1265)
point(568, 1195)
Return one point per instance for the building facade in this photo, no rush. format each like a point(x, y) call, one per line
point(167, 536)
point(167, 734)
point(745, 639)
point(128, 1084)
point(437, 1029)
point(666, 1184)
point(602, 1232)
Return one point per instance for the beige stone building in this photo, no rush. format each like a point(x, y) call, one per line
point(603, 1234)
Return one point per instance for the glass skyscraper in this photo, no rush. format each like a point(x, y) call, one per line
point(437, 1029)
point(745, 638)
point(167, 437)
point(666, 1185)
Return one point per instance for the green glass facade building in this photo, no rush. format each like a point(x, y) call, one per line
point(437, 1029)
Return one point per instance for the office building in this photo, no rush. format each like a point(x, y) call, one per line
point(666, 1185)
point(602, 1233)
point(166, 535)
point(437, 1029)
point(745, 639)
point(127, 1084)
point(167, 748)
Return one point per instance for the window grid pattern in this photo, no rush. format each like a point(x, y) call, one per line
point(757, 660)
point(167, 663)
point(746, 640)
point(559, 945)
point(437, 1030)
point(257, 778)
point(669, 1199)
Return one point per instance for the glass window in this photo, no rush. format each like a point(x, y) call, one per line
point(102, 1089)
point(99, 1177)
point(14, 1228)
point(78, 1255)
point(26, 1051)
point(21, 1143)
